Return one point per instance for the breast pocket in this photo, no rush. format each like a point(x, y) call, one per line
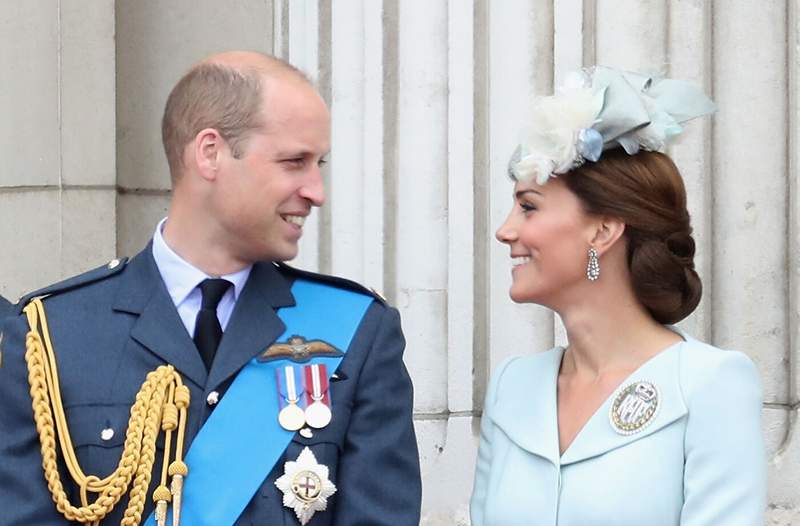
point(98, 434)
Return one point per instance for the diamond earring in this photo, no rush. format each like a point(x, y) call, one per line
point(593, 268)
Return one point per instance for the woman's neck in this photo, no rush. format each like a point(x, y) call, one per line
point(612, 337)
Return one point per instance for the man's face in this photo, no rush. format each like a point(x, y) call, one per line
point(263, 198)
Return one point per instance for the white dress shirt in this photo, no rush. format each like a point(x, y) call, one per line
point(182, 279)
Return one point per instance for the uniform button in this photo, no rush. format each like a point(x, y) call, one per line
point(107, 434)
point(306, 433)
point(212, 398)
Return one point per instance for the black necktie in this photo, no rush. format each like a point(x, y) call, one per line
point(207, 330)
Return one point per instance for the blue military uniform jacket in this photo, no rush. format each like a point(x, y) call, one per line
point(6, 308)
point(699, 462)
point(110, 327)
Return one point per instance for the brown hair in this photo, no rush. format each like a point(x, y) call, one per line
point(218, 96)
point(210, 96)
point(646, 192)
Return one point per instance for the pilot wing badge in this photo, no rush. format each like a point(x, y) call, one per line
point(305, 486)
point(299, 350)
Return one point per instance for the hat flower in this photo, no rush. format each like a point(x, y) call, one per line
point(602, 108)
point(559, 133)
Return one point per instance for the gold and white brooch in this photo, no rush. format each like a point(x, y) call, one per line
point(305, 486)
point(635, 407)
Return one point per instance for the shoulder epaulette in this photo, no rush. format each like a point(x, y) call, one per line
point(113, 267)
point(332, 280)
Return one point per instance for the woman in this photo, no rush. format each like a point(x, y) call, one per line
point(635, 422)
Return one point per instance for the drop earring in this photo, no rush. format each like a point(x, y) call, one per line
point(593, 268)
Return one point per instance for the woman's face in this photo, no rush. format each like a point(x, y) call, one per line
point(549, 235)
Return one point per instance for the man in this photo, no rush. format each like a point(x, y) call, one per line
point(5, 307)
point(300, 407)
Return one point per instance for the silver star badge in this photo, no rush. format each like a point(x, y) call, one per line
point(305, 486)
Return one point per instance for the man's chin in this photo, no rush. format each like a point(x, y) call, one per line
point(285, 254)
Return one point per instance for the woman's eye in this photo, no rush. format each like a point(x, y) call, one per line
point(526, 207)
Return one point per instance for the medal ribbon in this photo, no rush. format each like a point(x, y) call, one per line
point(241, 441)
point(317, 383)
point(290, 385)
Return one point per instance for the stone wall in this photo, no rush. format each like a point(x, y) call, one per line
point(426, 98)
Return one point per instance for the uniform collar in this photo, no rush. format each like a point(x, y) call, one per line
point(253, 326)
point(526, 405)
point(180, 276)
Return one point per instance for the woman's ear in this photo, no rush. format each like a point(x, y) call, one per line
point(609, 231)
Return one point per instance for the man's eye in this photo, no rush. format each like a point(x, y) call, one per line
point(295, 163)
point(322, 162)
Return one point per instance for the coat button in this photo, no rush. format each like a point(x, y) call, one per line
point(107, 434)
point(212, 398)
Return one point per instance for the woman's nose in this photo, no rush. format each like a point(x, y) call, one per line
point(506, 233)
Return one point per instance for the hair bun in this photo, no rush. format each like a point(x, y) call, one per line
point(681, 244)
point(664, 278)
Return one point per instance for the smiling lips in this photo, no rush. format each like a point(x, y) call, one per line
point(295, 220)
point(520, 260)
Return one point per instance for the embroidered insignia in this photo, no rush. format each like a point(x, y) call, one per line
point(297, 349)
point(305, 486)
point(635, 407)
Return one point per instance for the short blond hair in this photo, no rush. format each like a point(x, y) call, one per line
point(218, 96)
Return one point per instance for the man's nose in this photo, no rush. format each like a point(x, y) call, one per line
point(313, 188)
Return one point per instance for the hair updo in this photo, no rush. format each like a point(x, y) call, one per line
point(646, 192)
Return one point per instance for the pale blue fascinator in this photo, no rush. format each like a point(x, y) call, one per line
point(599, 109)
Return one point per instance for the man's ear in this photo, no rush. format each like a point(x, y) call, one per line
point(609, 231)
point(208, 145)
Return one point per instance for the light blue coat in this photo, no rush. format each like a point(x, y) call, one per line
point(700, 462)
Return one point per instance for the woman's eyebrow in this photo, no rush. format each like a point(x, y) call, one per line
point(523, 192)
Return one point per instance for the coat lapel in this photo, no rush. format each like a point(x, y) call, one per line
point(598, 436)
point(526, 406)
point(254, 324)
point(159, 327)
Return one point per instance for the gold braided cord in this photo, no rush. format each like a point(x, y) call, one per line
point(161, 403)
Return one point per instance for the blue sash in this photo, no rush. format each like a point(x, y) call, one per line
point(242, 441)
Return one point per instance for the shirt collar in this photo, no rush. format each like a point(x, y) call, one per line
point(181, 277)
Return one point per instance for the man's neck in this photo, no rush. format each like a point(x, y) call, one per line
point(193, 240)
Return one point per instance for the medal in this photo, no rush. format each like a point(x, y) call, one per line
point(635, 407)
point(305, 486)
point(318, 413)
point(291, 417)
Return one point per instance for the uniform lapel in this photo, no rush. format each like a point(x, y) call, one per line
point(525, 403)
point(159, 327)
point(254, 324)
point(598, 436)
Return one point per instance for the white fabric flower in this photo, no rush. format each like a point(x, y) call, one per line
point(556, 121)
